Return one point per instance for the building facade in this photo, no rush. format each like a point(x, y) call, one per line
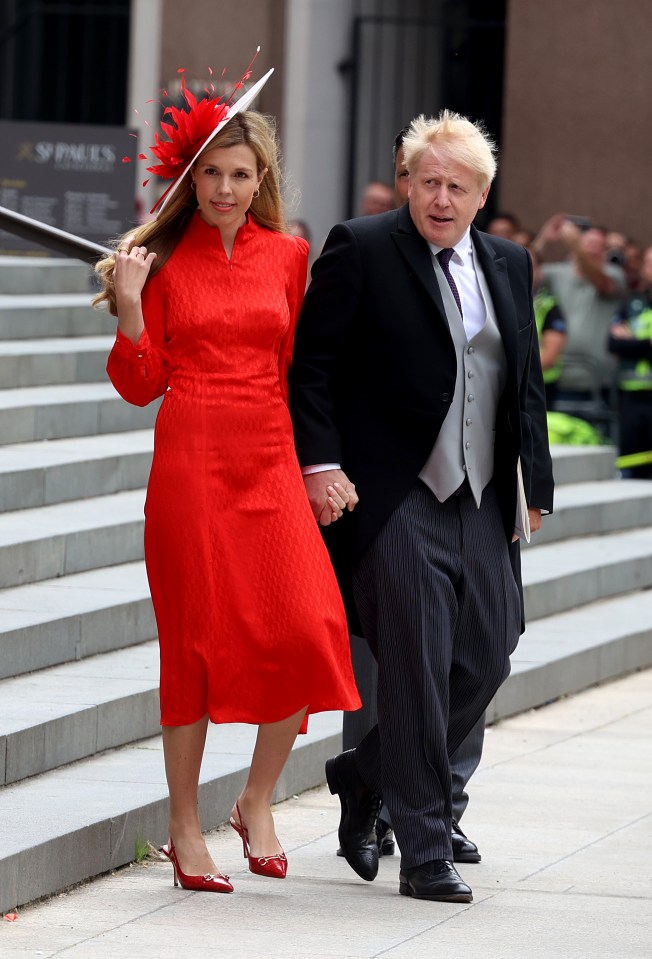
point(565, 94)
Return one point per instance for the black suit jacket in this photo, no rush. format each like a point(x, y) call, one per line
point(374, 371)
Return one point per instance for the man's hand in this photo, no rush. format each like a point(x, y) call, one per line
point(535, 519)
point(570, 234)
point(330, 492)
point(535, 522)
point(550, 232)
point(621, 331)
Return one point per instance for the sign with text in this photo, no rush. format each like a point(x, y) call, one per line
point(68, 176)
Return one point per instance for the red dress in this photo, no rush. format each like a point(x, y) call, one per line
point(250, 620)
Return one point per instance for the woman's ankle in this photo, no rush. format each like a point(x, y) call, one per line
point(185, 830)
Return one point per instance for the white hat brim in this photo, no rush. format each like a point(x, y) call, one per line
point(248, 97)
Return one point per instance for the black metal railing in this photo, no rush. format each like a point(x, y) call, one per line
point(51, 237)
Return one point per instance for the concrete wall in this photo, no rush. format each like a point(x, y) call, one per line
point(316, 111)
point(578, 106)
point(145, 38)
point(198, 34)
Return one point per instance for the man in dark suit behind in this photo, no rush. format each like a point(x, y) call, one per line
point(416, 386)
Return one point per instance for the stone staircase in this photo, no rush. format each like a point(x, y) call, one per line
point(81, 771)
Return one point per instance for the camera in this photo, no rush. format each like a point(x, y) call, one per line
point(616, 256)
point(583, 222)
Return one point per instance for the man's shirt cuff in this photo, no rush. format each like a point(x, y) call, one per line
point(320, 468)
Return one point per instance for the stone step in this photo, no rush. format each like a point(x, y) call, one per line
point(77, 409)
point(55, 621)
point(99, 807)
point(72, 617)
point(42, 362)
point(52, 315)
point(553, 582)
point(51, 541)
point(43, 274)
point(572, 573)
point(59, 715)
point(582, 464)
point(583, 509)
point(83, 820)
point(42, 473)
point(560, 655)
point(36, 474)
point(71, 537)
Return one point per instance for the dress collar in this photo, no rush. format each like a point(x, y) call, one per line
point(203, 232)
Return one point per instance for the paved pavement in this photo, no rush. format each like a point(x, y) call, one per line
point(561, 809)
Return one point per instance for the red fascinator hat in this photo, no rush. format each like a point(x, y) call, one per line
point(189, 131)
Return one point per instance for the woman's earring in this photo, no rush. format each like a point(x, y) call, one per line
point(256, 192)
point(193, 185)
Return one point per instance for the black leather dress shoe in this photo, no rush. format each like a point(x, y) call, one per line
point(463, 849)
point(360, 808)
point(437, 880)
point(384, 838)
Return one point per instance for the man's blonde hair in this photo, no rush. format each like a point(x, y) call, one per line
point(468, 143)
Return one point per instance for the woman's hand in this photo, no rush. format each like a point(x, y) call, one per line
point(130, 274)
point(131, 270)
point(330, 492)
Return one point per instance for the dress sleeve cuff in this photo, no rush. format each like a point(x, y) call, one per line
point(133, 350)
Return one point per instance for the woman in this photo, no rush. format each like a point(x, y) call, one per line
point(251, 624)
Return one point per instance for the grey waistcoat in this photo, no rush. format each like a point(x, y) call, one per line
point(465, 445)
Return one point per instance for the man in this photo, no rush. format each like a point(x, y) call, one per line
point(401, 172)
point(551, 329)
point(630, 340)
point(376, 197)
point(466, 758)
point(505, 225)
point(588, 290)
point(633, 263)
point(416, 380)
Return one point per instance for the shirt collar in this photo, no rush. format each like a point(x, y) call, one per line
point(462, 251)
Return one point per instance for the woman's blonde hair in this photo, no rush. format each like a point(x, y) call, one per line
point(468, 143)
point(162, 234)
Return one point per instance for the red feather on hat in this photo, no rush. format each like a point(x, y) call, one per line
point(186, 130)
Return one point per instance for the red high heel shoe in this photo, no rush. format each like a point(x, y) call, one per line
point(207, 883)
point(274, 867)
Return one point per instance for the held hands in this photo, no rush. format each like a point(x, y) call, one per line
point(330, 493)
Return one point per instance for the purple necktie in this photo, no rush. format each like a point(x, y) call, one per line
point(444, 257)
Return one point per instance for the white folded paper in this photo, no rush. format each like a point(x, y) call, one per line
point(522, 523)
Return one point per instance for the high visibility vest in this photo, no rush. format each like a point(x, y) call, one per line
point(567, 430)
point(637, 374)
point(543, 303)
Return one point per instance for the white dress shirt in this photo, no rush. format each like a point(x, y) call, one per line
point(469, 280)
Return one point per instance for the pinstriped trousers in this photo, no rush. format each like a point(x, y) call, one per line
point(440, 609)
point(355, 726)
